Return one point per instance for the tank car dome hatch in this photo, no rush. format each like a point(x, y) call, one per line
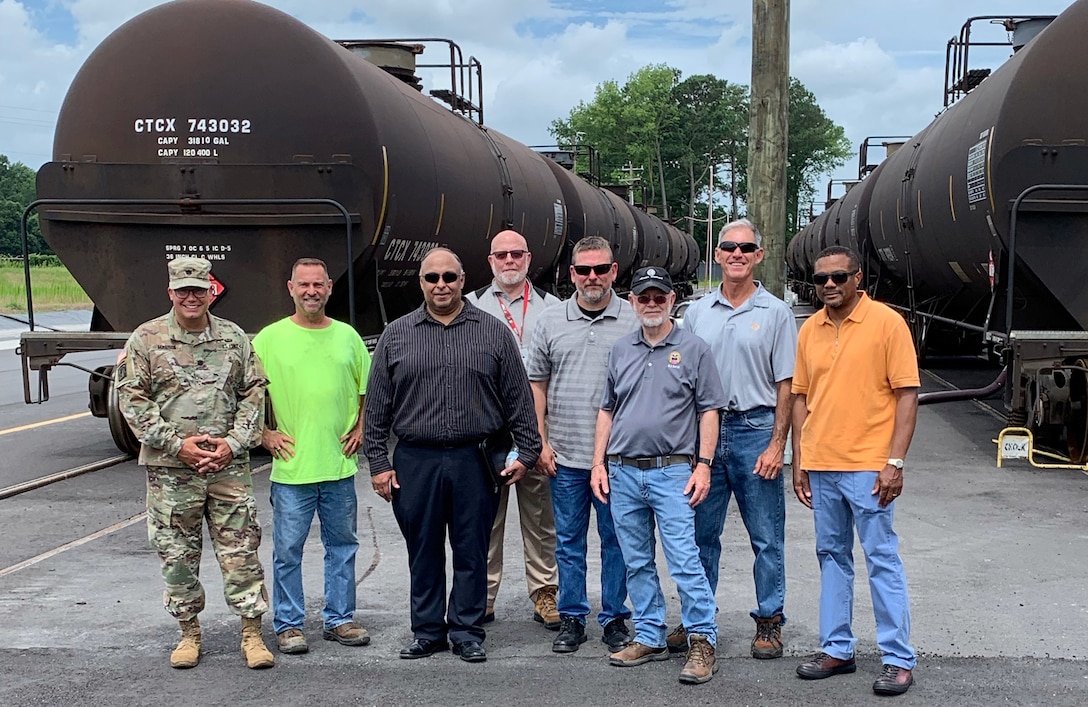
point(396, 58)
point(1023, 31)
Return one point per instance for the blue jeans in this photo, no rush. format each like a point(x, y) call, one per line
point(842, 501)
point(571, 499)
point(641, 499)
point(762, 503)
point(293, 507)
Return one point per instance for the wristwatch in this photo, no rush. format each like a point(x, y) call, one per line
point(897, 463)
point(704, 460)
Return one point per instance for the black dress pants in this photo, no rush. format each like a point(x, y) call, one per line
point(440, 489)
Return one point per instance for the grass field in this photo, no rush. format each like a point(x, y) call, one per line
point(53, 290)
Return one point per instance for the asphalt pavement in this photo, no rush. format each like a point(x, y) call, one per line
point(997, 564)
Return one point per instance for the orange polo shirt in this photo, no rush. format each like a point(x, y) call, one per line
point(848, 374)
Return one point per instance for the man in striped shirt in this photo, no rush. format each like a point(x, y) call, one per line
point(443, 379)
point(567, 362)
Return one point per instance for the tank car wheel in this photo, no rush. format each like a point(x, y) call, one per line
point(119, 429)
point(1076, 419)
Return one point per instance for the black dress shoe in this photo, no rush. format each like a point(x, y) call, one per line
point(823, 666)
point(572, 633)
point(470, 651)
point(423, 647)
point(616, 636)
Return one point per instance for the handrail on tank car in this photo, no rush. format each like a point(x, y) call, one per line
point(957, 65)
point(186, 202)
point(1012, 240)
point(457, 67)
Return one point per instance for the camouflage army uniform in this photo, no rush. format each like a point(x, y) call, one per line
point(177, 384)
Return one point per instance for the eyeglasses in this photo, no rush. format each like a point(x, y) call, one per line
point(447, 277)
point(839, 277)
point(730, 246)
point(187, 292)
point(656, 299)
point(513, 254)
point(585, 270)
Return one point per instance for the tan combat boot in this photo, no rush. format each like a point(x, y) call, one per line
point(187, 654)
point(254, 650)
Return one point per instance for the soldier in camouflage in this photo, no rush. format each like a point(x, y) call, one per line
point(192, 389)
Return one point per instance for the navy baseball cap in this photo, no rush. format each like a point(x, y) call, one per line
point(646, 278)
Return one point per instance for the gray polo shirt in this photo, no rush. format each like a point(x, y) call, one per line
point(754, 345)
point(524, 316)
point(570, 351)
point(656, 393)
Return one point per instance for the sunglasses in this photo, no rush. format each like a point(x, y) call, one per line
point(730, 246)
point(514, 254)
point(839, 277)
point(585, 270)
point(447, 277)
point(186, 292)
point(656, 299)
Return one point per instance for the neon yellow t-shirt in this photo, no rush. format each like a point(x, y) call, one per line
point(315, 378)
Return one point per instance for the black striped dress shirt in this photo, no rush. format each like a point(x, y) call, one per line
point(446, 385)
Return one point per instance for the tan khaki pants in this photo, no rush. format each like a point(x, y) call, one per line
point(537, 535)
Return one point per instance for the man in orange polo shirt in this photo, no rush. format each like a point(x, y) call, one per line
point(856, 402)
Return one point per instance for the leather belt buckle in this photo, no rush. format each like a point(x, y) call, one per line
point(645, 463)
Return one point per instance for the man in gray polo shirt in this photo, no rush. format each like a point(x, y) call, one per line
point(512, 299)
point(566, 367)
point(754, 339)
point(662, 388)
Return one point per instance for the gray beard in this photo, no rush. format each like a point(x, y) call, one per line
point(513, 277)
point(651, 322)
point(593, 298)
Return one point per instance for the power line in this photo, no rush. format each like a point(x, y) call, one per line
point(25, 122)
point(32, 110)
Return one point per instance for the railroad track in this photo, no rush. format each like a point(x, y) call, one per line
point(16, 489)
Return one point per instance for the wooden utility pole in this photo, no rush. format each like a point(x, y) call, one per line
point(768, 132)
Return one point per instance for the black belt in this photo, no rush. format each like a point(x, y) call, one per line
point(650, 462)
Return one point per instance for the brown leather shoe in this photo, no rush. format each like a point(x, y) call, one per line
point(636, 653)
point(824, 666)
point(701, 664)
point(768, 639)
point(677, 641)
point(893, 680)
point(349, 634)
point(292, 641)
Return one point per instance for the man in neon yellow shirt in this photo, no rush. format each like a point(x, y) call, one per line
point(317, 369)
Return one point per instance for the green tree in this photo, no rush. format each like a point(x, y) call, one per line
point(710, 132)
point(17, 191)
point(816, 146)
point(626, 125)
point(674, 131)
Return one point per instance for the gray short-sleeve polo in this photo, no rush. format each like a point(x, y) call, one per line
point(570, 350)
point(656, 393)
point(524, 316)
point(754, 345)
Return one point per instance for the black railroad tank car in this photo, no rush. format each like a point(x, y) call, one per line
point(231, 99)
point(933, 225)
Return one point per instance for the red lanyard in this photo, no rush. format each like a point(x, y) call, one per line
point(524, 310)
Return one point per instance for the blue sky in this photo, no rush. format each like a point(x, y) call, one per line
point(876, 66)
